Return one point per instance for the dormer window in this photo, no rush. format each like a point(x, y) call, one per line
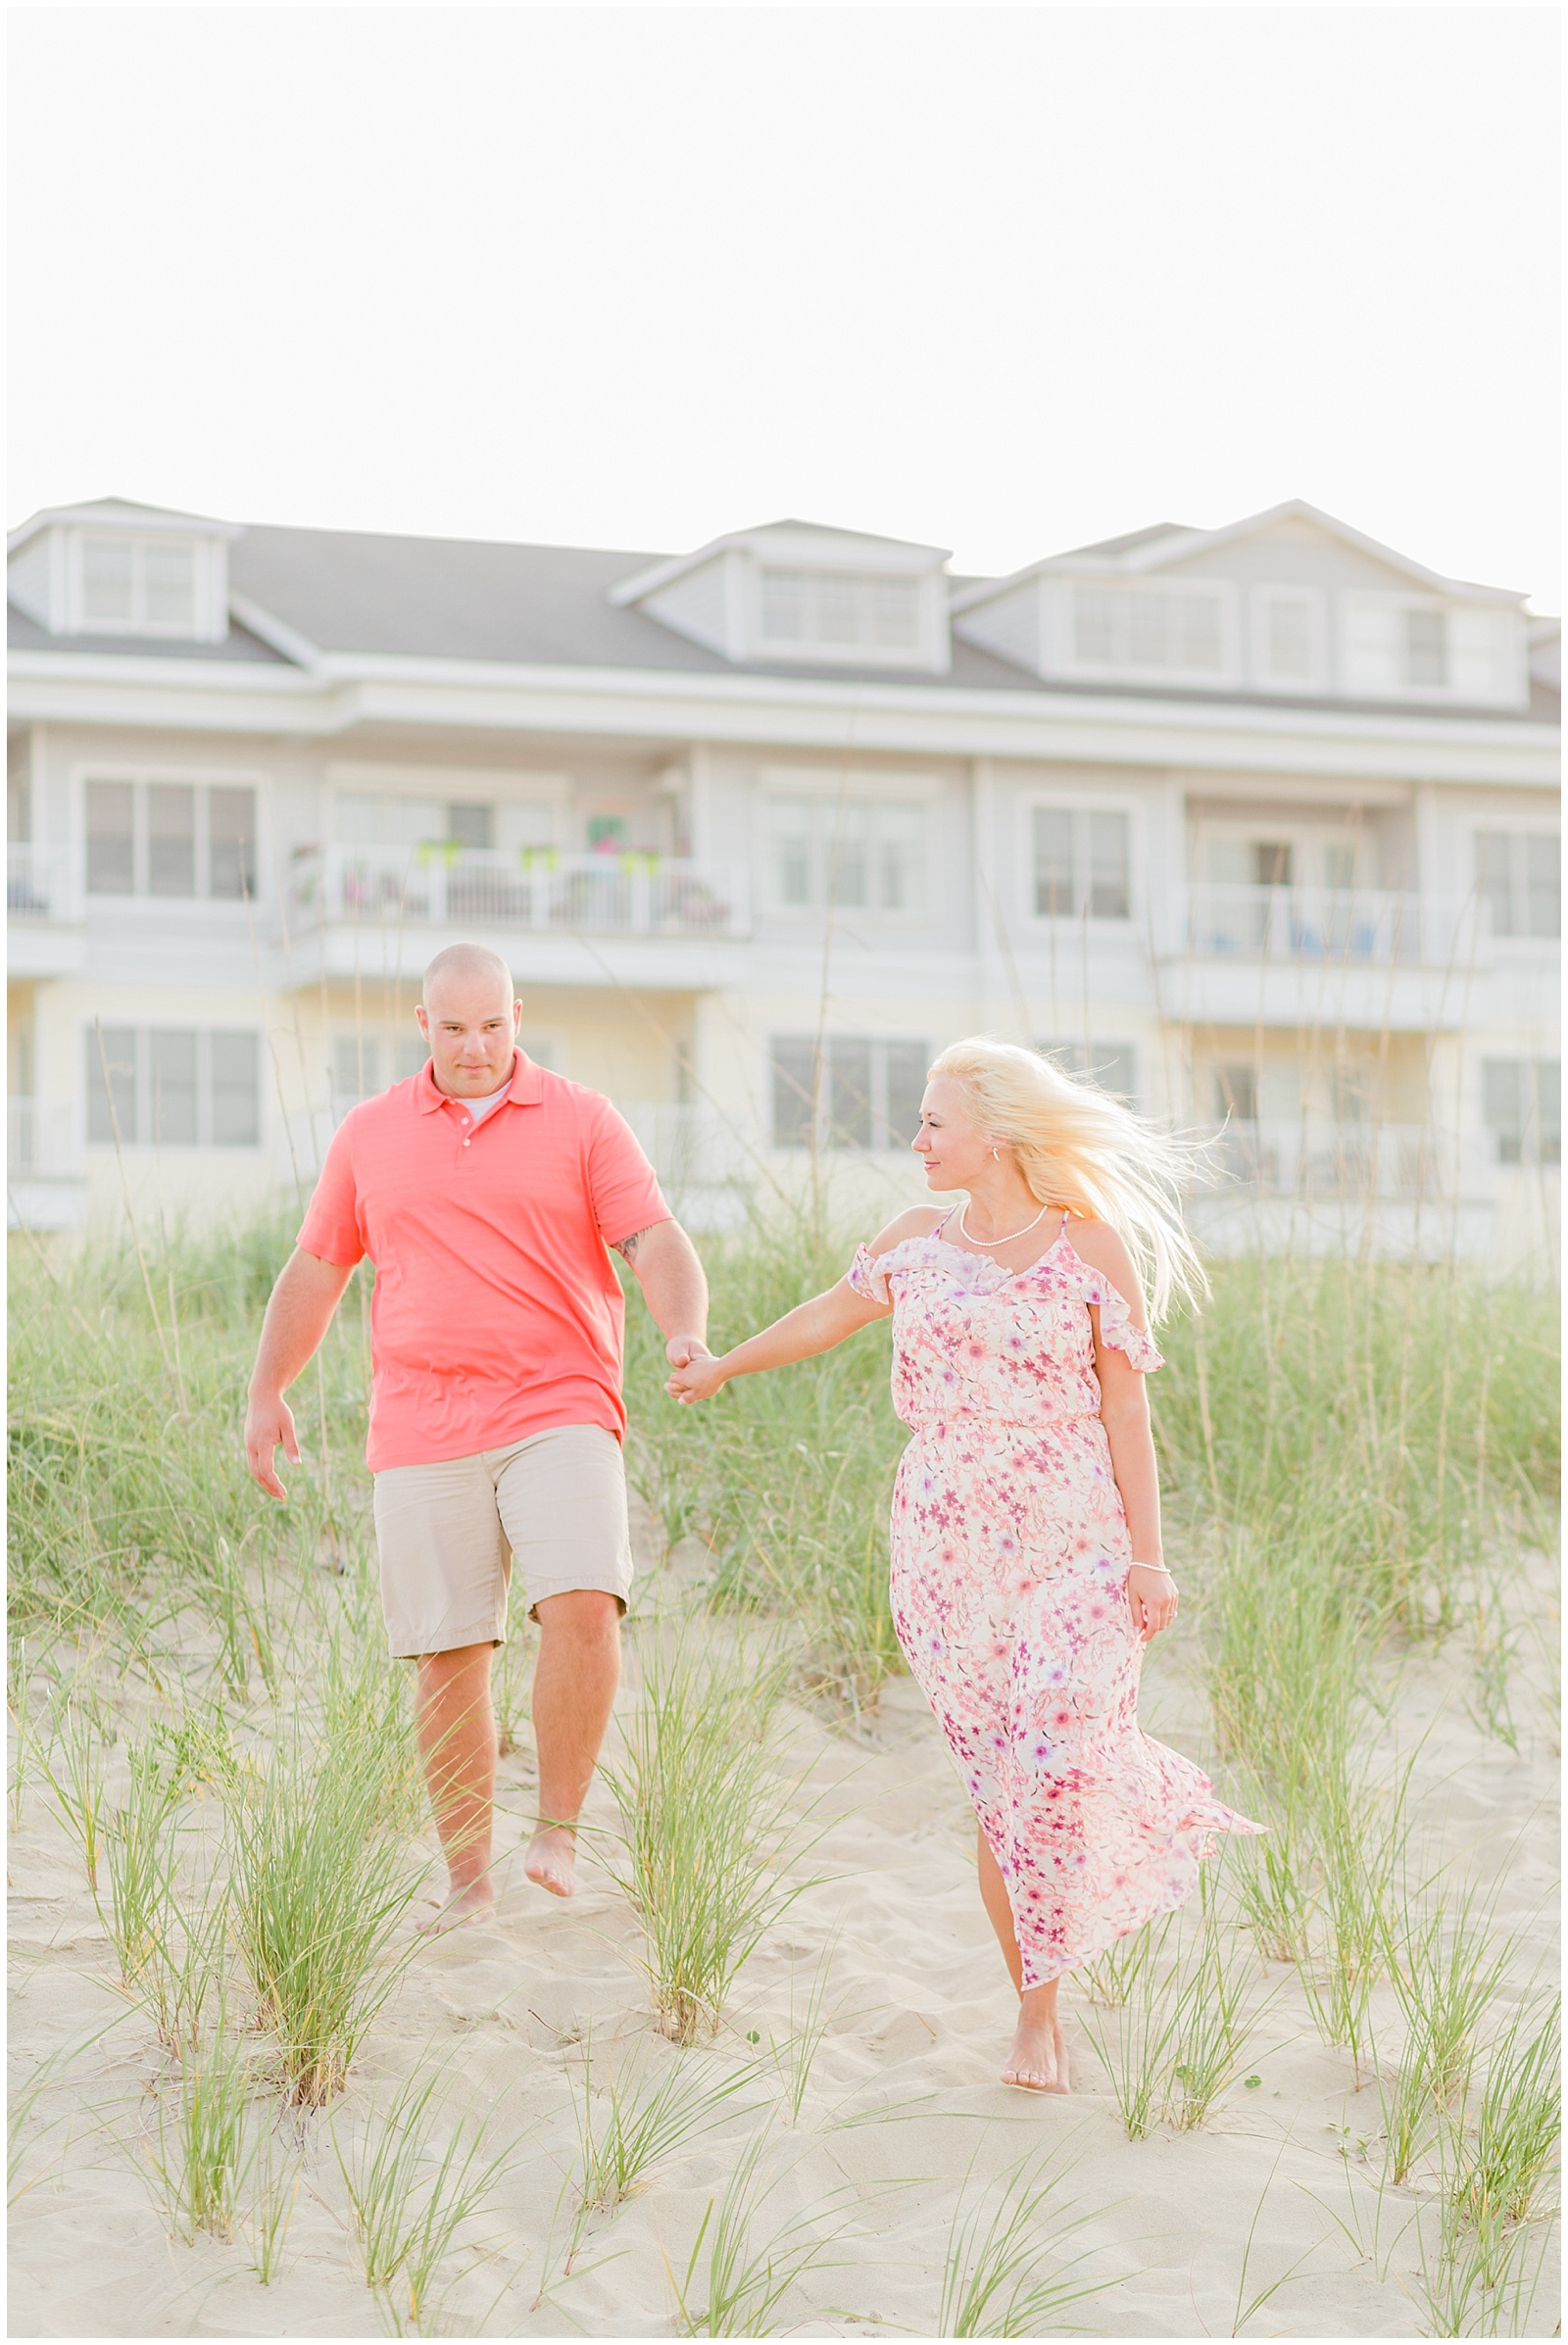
point(1426, 645)
point(117, 569)
point(146, 586)
point(808, 609)
point(1151, 631)
point(797, 591)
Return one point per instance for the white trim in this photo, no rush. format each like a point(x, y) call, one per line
point(886, 718)
point(1175, 545)
point(131, 518)
point(276, 633)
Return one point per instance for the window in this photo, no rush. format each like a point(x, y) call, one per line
point(1082, 864)
point(1287, 635)
point(855, 852)
point(363, 1064)
point(171, 839)
point(171, 1088)
point(1156, 628)
point(1236, 1094)
point(231, 843)
point(471, 826)
point(1110, 1064)
point(111, 838)
point(237, 1100)
point(842, 609)
point(1273, 863)
point(1519, 880)
point(174, 1087)
point(1094, 626)
point(1426, 646)
point(1522, 1107)
point(141, 585)
point(355, 1069)
point(862, 1092)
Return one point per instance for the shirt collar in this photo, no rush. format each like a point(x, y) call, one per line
point(526, 1089)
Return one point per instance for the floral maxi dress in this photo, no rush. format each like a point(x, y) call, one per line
point(1010, 1569)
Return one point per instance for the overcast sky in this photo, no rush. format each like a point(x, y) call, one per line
point(1000, 280)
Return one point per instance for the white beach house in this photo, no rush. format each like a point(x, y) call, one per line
point(1259, 824)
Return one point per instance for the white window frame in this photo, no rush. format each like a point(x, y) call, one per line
point(209, 618)
point(143, 1028)
point(928, 652)
point(877, 789)
point(883, 1141)
point(200, 780)
point(1517, 833)
point(1263, 599)
point(1061, 801)
point(1122, 668)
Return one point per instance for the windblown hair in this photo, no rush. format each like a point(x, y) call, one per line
point(1079, 1147)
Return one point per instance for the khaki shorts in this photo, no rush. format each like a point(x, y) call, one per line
point(448, 1535)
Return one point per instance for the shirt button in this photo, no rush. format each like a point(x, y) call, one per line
point(464, 1144)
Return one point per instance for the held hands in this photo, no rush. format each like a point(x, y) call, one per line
point(269, 1426)
point(1151, 1599)
point(698, 1376)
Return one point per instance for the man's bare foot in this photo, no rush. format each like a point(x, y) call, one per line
point(1038, 2061)
point(463, 1909)
point(551, 1859)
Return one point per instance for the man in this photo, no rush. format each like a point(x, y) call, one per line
point(487, 1190)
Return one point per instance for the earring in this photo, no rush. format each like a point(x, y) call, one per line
point(995, 1158)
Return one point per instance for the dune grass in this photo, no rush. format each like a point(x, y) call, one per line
point(321, 1884)
point(422, 2172)
point(710, 1819)
point(1005, 2272)
point(1354, 1453)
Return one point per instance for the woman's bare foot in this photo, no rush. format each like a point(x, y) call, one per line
point(466, 1906)
point(551, 1859)
point(1038, 2061)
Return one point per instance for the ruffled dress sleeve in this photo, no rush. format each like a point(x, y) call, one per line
point(868, 1278)
point(1117, 1322)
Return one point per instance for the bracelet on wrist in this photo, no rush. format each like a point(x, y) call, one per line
point(1150, 1567)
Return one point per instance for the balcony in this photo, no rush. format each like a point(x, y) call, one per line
point(1387, 1189)
point(43, 908)
point(1370, 926)
point(1323, 1159)
point(45, 1187)
point(622, 919)
point(1357, 957)
point(538, 889)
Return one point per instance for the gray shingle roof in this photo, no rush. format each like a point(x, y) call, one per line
point(466, 598)
point(24, 634)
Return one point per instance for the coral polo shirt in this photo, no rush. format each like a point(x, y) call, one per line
point(496, 1310)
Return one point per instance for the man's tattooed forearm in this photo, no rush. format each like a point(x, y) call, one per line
point(627, 1246)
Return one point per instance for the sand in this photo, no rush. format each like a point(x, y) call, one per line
point(903, 2118)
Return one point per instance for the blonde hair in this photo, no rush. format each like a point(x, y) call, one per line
point(1079, 1147)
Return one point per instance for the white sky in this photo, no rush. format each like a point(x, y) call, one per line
point(1002, 280)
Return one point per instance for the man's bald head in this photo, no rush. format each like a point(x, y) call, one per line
point(468, 966)
point(468, 1016)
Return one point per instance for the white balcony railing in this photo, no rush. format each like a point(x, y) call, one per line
point(537, 888)
point(1321, 1159)
point(38, 883)
point(1355, 925)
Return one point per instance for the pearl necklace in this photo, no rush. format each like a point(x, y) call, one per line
point(964, 1229)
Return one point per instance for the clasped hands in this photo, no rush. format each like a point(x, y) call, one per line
point(696, 1375)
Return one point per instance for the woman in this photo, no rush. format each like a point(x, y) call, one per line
point(1027, 1573)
